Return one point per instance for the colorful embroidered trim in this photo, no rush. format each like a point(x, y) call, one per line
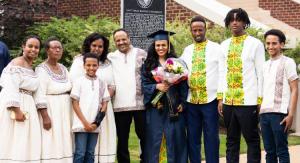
point(235, 93)
point(219, 96)
point(197, 81)
point(259, 100)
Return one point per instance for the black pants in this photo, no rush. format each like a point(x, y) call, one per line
point(123, 122)
point(242, 119)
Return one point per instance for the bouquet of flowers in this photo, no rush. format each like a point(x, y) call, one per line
point(173, 71)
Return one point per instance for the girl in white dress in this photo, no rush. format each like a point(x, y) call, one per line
point(106, 147)
point(20, 136)
point(53, 98)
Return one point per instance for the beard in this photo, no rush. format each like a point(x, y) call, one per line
point(199, 39)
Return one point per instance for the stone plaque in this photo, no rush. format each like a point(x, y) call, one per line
point(142, 17)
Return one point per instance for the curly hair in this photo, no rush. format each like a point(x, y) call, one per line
point(152, 62)
point(278, 33)
point(86, 47)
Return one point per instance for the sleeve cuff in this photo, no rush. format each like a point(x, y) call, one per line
point(113, 87)
point(219, 96)
point(41, 105)
point(106, 99)
point(12, 104)
point(74, 97)
point(259, 100)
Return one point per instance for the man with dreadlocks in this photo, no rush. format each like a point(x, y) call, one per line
point(241, 92)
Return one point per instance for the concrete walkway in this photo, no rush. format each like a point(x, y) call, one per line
point(294, 156)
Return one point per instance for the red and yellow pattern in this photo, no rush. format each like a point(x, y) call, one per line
point(197, 81)
point(235, 93)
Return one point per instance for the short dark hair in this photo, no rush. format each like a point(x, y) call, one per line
point(120, 29)
point(241, 15)
point(29, 37)
point(90, 55)
point(198, 18)
point(86, 47)
point(278, 33)
point(47, 42)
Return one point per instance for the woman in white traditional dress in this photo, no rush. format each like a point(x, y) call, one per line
point(20, 131)
point(54, 101)
point(98, 44)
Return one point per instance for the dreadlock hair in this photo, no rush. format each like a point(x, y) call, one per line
point(241, 15)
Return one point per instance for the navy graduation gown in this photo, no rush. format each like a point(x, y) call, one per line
point(158, 122)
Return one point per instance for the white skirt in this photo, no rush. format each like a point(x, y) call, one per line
point(57, 142)
point(106, 146)
point(20, 141)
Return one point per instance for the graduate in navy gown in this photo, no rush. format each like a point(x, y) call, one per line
point(164, 120)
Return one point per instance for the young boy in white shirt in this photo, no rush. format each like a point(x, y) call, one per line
point(89, 98)
point(280, 93)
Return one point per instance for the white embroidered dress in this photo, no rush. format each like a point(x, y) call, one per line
point(107, 140)
point(19, 141)
point(53, 94)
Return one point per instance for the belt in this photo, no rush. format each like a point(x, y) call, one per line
point(24, 91)
point(65, 93)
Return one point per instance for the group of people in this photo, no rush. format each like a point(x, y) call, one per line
point(43, 112)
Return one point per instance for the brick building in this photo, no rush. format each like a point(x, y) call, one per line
point(111, 8)
point(287, 11)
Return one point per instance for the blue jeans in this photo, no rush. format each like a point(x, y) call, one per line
point(203, 117)
point(85, 147)
point(274, 138)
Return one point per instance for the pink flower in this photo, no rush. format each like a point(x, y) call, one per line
point(170, 62)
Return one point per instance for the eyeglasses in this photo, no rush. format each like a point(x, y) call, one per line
point(56, 47)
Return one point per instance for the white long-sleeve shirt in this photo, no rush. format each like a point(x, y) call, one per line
point(253, 58)
point(213, 65)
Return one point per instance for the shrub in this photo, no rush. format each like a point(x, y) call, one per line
point(71, 33)
point(215, 33)
point(295, 54)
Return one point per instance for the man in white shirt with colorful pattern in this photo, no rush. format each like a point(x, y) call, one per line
point(202, 59)
point(280, 94)
point(243, 57)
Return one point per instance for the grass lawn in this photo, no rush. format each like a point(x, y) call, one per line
point(134, 145)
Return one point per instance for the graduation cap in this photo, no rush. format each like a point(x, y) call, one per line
point(161, 35)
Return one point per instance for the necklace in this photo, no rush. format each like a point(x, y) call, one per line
point(27, 61)
point(54, 68)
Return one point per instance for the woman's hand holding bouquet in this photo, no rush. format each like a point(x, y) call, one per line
point(172, 72)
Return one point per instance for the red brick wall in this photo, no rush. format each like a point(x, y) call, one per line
point(111, 8)
point(176, 11)
point(287, 11)
point(85, 8)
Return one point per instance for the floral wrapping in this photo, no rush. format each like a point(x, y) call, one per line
point(173, 71)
